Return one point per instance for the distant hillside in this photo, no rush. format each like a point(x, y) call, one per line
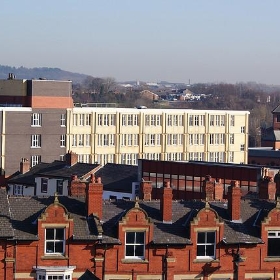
point(42, 72)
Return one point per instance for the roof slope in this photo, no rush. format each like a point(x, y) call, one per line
point(56, 169)
point(118, 177)
point(6, 230)
point(24, 212)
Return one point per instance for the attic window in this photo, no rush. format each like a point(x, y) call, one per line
point(273, 244)
point(135, 245)
point(55, 241)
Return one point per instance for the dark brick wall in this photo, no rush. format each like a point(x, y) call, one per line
point(18, 137)
point(50, 88)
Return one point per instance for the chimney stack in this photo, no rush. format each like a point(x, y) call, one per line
point(267, 188)
point(213, 190)
point(166, 203)
point(77, 187)
point(146, 190)
point(24, 166)
point(94, 199)
point(71, 158)
point(234, 201)
point(209, 187)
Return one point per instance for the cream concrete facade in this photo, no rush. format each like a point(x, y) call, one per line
point(122, 135)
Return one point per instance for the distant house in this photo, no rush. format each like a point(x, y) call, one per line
point(149, 95)
point(68, 177)
point(48, 178)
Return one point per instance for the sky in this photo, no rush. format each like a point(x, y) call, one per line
point(199, 41)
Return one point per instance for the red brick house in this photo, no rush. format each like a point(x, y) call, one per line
point(50, 238)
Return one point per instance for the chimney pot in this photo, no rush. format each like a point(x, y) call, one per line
point(24, 165)
point(166, 203)
point(234, 200)
point(94, 198)
point(146, 190)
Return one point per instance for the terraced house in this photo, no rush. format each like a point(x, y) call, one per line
point(90, 238)
point(39, 122)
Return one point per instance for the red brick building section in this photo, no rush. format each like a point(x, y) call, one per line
point(144, 239)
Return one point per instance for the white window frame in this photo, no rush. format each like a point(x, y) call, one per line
point(54, 272)
point(74, 140)
point(135, 244)
point(81, 120)
point(99, 119)
point(36, 119)
point(35, 159)
point(232, 120)
point(206, 244)
point(231, 157)
point(130, 119)
point(112, 120)
point(191, 120)
point(169, 120)
point(87, 119)
point(87, 140)
point(63, 120)
point(75, 119)
point(273, 234)
point(135, 140)
point(212, 120)
point(36, 141)
point(17, 189)
point(63, 140)
point(54, 241)
point(231, 139)
point(80, 140)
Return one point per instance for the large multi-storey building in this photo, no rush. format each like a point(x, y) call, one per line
point(32, 121)
point(122, 135)
point(39, 122)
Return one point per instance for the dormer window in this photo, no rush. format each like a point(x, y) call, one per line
point(273, 243)
point(134, 245)
point(55, 241)
point(206, 245)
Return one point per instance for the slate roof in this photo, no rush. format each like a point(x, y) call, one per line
point(276, 109)
point(247, 231)
point(263, 152)
point(118, 177)
point(19, 219)
point(271, 135)
point(56, 169)
point(6, 229)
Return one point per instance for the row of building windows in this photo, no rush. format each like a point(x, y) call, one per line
point(151, 120)
point(150, 139)
point(36, 119)
point(133, 120)
point(135, 243)
point(132, 158)
point(81, 119)
point(135, 247)
point(36, 140)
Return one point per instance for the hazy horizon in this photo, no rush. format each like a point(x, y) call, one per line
point(159, 40)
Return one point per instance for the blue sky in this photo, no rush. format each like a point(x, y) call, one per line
point(148, 40)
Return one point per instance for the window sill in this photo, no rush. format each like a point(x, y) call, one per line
point(272, 259)
point(206, 260)
point(54, 257)
point(134, 261)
